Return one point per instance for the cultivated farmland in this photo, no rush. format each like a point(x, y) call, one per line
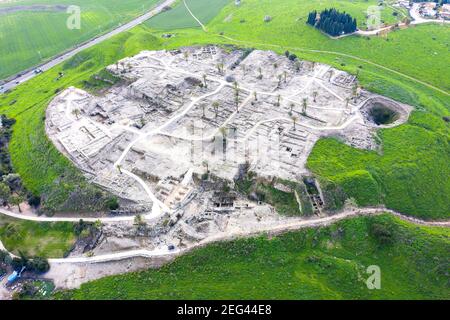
point(30, 33)
point(179, 17)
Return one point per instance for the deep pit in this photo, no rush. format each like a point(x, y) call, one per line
point(382, 115)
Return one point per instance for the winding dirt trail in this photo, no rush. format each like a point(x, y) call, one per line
point(289, 225)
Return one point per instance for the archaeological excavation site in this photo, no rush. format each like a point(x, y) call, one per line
point(184, 135)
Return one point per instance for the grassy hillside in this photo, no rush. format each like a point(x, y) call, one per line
point(323, 263)
point(45, 171)
point(28, 37)
point(404, 176)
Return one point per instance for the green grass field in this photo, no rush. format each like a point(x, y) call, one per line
point(29, 37)
point(49, 240)
point(323, 263)
point(179, 17)
point(403, 177)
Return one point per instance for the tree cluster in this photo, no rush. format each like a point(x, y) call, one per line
point(36, 264)
point(332, 22)
point(11, 189)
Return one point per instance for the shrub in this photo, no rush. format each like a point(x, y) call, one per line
point(3, 255)
point(112, 203)
point(34, 201)
point(38, 265)
point(79, 227)
point(382, 232)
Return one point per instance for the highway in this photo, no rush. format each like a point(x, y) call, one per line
point(69, 54)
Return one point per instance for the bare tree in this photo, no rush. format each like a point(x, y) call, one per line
point(223, 131)
point(216, 107)
point(203, 110)
point(236, 95)
point(280, 77)
point(206, 165)
point(260, 73)
point(355, 92)
point(331, 72)
point(279, 100)
point(294, 120)
point(76, 112)
point(219, 68)
point(304, 105)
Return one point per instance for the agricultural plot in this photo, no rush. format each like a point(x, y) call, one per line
point(31, 33)
point(179, 17)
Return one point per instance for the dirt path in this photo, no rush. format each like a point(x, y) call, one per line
point(71, 272)
point(289, 225)
point(193, 16)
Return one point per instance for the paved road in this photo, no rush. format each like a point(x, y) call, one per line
point(69, 54)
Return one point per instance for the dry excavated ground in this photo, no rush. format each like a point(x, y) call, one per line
point(177, 114)
point(176, 108)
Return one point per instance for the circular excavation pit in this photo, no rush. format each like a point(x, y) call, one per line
point(382, 115)
point(382, 112)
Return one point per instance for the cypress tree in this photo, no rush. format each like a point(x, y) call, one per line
point(333, 22)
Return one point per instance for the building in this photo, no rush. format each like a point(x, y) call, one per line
point(428, 10)
point(445, 11)
point(223, 201)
